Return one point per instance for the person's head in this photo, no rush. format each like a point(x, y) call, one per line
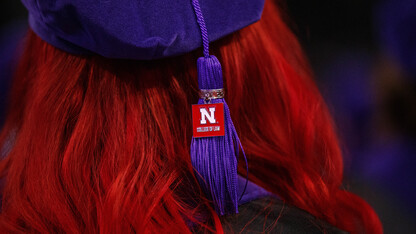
point(96, 144)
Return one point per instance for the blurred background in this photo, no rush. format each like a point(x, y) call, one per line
point(363, 53)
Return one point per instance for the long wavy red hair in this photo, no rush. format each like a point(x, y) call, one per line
point(99, 145)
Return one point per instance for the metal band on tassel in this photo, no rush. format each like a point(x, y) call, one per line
point(209, 94)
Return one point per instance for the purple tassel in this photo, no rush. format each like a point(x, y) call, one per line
point(215, 158)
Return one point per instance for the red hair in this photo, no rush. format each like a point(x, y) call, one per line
point(100, 145)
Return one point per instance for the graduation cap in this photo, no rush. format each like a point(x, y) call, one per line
point(153, 29)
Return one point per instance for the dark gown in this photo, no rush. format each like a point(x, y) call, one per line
point(263, 212)
point(271, 215)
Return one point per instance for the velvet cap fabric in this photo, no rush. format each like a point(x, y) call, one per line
point(136, 29)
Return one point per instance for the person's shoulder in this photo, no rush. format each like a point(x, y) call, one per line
point(271, 215)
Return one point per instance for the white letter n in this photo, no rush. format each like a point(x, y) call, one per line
point(205, 115)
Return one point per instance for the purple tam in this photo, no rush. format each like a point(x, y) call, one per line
point(136, 29)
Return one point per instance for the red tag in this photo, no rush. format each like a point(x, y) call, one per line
point(208, 120)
